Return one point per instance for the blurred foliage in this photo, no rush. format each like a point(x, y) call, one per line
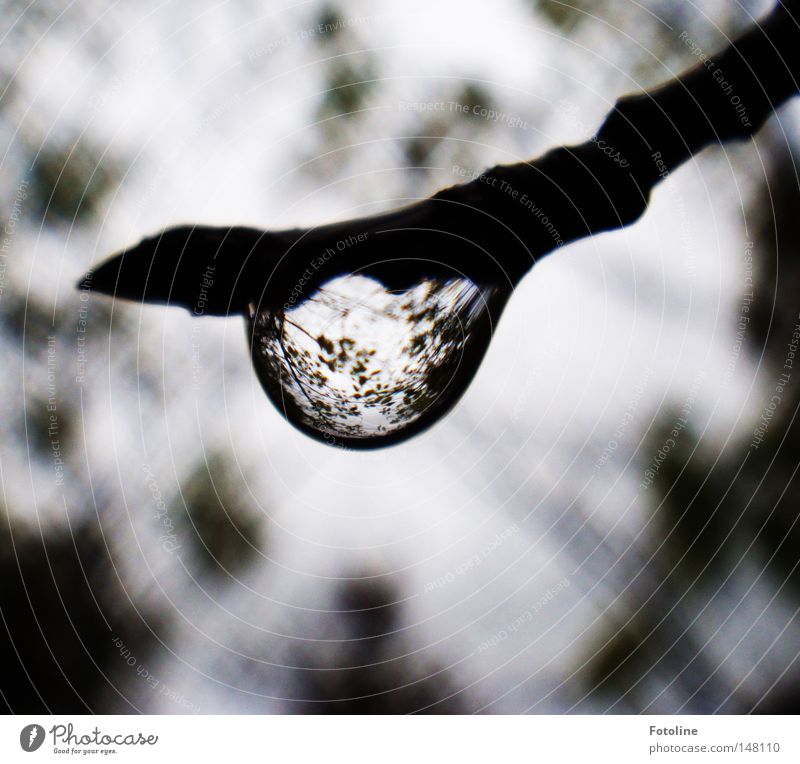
point(714, 516)
point(219, 522)
point(350, 75)
point(29, 317)
point(69, 183)
point(565, 16)
point(687, 493)
point(621, 662)
point(643, 39)
point(347, 86)
point(42, 433)
point(332, 21)
point(776, 259)
point(349, 81)
point(375, 674)
point(62, 606)
point(771, 470)
point(419, 148)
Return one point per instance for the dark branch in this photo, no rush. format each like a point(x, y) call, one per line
point(495, 227)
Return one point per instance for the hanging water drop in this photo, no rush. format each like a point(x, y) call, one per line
point(360, 366)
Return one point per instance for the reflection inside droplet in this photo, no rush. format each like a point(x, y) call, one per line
point(361, 366)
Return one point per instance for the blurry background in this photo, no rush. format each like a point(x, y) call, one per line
point(607, 521)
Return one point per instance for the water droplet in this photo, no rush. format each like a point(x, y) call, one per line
point(360, 366)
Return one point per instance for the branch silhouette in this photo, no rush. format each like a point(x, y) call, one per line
point(495, 227)
point(362, 366)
